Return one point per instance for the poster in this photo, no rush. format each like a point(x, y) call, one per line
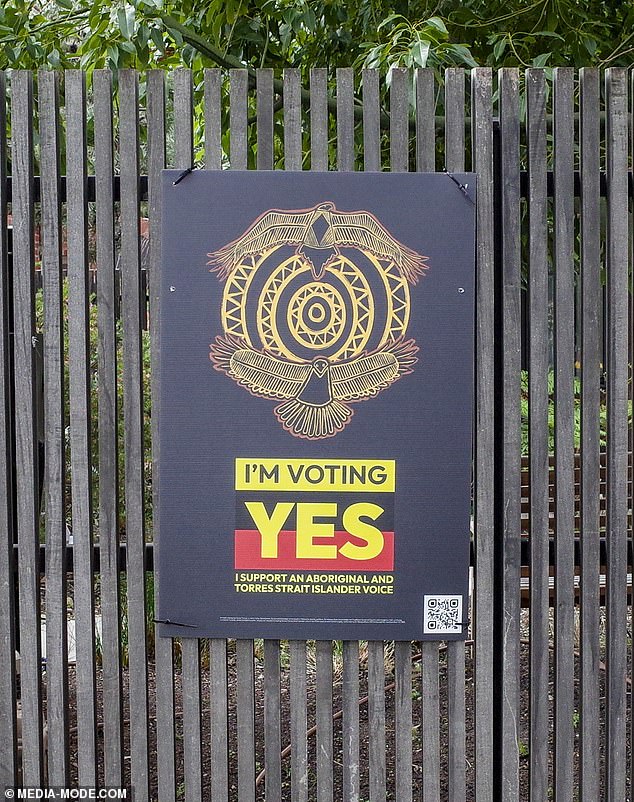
point(316, 401)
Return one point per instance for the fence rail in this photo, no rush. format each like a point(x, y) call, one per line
point(536, 703)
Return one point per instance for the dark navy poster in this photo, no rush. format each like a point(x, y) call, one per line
point(316, 399)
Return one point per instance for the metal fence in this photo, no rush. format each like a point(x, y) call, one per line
point(536, 704)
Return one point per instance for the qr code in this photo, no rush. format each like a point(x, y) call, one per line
point(442, 615)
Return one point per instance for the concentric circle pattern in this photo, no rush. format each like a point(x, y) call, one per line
point(277, 304)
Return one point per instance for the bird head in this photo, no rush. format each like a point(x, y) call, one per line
point(320, 366)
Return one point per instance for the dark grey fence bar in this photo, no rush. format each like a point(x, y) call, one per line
point(511, 473)
point(484, 423)
point(591, 348)
point(8, 680)
point(108, 432)
point(538, 410)
point(54, 439)
point(563, 131)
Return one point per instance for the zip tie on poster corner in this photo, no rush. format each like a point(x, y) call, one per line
point(462, 187)
point(171, 623)
point(182, 175)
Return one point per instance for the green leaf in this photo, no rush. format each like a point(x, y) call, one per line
point(590, 45)
point(54, 59)
point(157, 38)
point(113, 55)
point(541, 60)
point(438, 24)
point(122, 19)
point(499, 48)
point(143, 35)
point(389, 20)
point(463, 55)
point(420, 53)
point(548, 33)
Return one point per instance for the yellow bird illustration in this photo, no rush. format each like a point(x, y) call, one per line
point(316, 395)
point(317, 234)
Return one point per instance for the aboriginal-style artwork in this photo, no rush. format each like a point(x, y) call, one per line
point(315, 311)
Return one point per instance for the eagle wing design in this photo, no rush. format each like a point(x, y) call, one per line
point(367, 375)
point(363, 230)
point(352, 229)
point(275, 227)
point(260, 373)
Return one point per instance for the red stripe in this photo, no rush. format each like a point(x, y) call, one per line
point(247, 553)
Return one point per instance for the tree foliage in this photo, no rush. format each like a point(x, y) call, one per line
point(304, 33)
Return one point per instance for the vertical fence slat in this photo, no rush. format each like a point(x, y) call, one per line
point(264, 99)
point(591, 295)
point(213, 117)
point(630, 477)
point(511, 365)
point(455, 162)
point(376, 653)
point(350, 725)
point(292, 119)
point(399, 162)
point(217, 646)
point(323, 715)
point(79, 389)
point(272, 721)
point(371, 121)
point(54, 435)
point(245, 702)
point(350, 686)
point(8, 689)
point(482, 145)
point(272, 695)
point(345, 119)
point(163, 647)
point(430, 693)
point(219, 721)
point(538, 352)
point(425, 121)
point(564, 433)
point(617, 393)
point(430, 700)
point(298, 712)
point(245, 716)
point(238, 86)
point(376, 721)
point(133, 430)
point(454, 119)
point(27, 503)
point(399, 120)
point(183, 159)
point(403, 720)
point(430, 697)
point(319, 119)
point(108, 431)
point(299, 743)
point(323, 649)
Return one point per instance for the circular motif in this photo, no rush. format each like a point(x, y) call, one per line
point(314, 311)
point(316, 315)
point(359, 302)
